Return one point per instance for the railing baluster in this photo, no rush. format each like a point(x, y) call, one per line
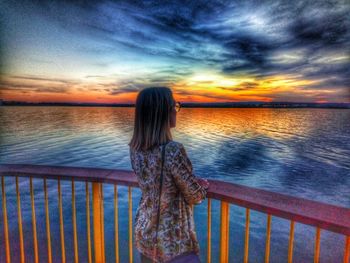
point(291, 240)
point(116, 226)
point(88, 221)
point(102, 225)
point(347, 250)
point(246, 240)
point(20, 229)
point(317, 245)
point(4, 209)
point(35, 239)
point(315, 213)
point(209, 232)
point(74, 219)
point(63, 248)
point(97, 211)
point(268, 238)
point(130, 225)
point(47, 216)
point(224, 232)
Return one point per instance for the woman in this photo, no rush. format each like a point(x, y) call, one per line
point(155, 114)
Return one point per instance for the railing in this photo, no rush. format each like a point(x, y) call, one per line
point(319, 215)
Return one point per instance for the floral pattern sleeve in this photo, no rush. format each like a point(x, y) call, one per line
point(184, 178)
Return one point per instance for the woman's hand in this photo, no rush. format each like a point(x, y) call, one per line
point(204, 183)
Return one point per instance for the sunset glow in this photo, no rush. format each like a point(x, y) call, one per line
point(106, 52)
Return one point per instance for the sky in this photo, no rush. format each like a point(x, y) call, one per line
point(205, 51)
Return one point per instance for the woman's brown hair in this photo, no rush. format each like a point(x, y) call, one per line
point(152, 118)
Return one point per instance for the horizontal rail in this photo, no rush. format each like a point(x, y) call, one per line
point(325, 216)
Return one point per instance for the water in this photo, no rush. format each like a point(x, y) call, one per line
point(300, 152)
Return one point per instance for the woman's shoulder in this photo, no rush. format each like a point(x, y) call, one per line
point(174, 146)
point(176, 149)
point(171, 146)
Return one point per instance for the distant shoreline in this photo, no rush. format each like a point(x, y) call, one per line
point(193, 105)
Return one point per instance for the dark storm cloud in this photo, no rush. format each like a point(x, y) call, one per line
point(327, 28)
point(247, 53)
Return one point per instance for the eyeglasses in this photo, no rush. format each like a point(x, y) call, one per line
point(177, 106)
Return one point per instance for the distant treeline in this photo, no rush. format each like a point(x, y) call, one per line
point(267, 105)
point(192, 105)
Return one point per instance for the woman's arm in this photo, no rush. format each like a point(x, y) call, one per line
point(192, 187)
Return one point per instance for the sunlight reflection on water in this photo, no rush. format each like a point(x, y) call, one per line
point(301, 152)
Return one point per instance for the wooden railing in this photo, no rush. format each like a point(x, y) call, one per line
point(321, 216)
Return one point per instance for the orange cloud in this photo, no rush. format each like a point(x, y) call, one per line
point(205, 87)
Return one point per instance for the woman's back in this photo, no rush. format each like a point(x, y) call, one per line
point(176, 233)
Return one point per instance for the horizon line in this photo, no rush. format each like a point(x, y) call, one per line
point(228, 104)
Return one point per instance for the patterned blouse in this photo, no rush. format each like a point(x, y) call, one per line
point(176, 233)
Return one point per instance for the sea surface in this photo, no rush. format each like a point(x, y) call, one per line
point(299, 152)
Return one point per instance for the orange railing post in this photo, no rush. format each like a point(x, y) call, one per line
point(47, 216)
point(268, 239)
point(20, 229)
point(246, 239)
point(224, 232)
point(63, 248)
point(6, 231)
point(130, 225)
point(291, 242)
point(74, 220)
point(297, 210)
point(209, 232)
point(116, 225)
point(88, 222)
point(317, 246)
point(347, 249)
point(35, 238)
point(97, 211)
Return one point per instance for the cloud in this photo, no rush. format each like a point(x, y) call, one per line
point(136, 84)
point(184, 30)
point(261, 39)
point(244, 86)
point(35, 84)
